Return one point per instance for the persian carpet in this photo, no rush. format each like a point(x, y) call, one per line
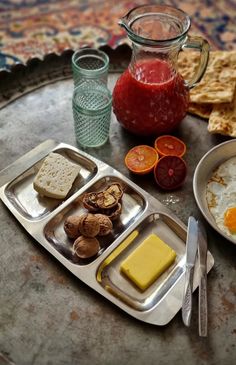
point(33, 28)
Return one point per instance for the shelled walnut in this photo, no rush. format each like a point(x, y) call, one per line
point(115, 189)
point(90, 202)
point(113, 213)
point(106, 202)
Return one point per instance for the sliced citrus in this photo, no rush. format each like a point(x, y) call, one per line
point(141, 159)
point(170, 146)
point(170, 172)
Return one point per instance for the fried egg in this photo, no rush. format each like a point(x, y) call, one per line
point(221, 197)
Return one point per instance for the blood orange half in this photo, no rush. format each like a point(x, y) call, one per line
point(170, 172)
point(170, 146)
point(141, 159)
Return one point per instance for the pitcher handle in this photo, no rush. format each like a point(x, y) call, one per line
point(195, 42)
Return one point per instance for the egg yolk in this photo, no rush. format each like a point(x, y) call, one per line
point(230, 219)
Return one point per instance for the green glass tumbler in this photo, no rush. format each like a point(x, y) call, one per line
point(92, 99)
point(92, 114)
point(90, 64)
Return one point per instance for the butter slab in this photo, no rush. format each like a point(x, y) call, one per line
point(148, 261)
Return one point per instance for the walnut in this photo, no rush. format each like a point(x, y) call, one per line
point(115, 189)
point(113, 213)
point(86, 247)
point(105, 224)
point(90, 202)
point(71, 226)
point(89, 225)
point(106, 200)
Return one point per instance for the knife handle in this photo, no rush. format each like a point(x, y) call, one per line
point(202, 304)
point(187, 299)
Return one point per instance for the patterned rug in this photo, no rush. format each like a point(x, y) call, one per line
point(34, 28)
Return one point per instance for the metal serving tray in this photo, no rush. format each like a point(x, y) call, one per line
point(141, 215)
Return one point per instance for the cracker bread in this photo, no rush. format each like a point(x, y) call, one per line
point(201, 110)
point(219, 81)
point(56, 176)
point(188, 63)
point(215, 96)
point(223, 119)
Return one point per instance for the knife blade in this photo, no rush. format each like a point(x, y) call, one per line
point(202, 298)
point(191, 251)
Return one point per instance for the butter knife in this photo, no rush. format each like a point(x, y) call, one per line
point(191, 250)
point(202, 298)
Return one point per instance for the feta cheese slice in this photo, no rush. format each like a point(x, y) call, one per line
point(56, 176)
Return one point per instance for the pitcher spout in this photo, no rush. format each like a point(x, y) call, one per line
point(155, 25)
point(123, 22)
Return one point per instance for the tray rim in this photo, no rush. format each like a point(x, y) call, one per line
point(21, 80)
point(89, 276)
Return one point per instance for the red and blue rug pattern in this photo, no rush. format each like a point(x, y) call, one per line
point(33, 28)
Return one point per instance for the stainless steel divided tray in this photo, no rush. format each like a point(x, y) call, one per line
point(141, 215)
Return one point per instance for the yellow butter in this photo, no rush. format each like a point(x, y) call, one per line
point(148, 261)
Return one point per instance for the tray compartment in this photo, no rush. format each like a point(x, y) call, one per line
point(113, 281)
point(133, 204)
point(29, 203)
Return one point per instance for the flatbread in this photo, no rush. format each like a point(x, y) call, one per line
point(201, 110)
point(223, 119)
point(188, 63)
point(219, 81)
point(214, 98)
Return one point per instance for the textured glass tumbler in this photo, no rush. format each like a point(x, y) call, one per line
point(90, 64)
point(92, 114)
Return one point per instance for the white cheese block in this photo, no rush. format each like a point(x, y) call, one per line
point(56, 176)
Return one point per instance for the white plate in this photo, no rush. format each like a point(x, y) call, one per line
point(209, 162)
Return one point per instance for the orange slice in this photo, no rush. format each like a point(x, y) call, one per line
point(170, 172)
point(141, 159)
point(170, 146)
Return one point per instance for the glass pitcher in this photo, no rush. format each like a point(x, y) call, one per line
point(151, 97)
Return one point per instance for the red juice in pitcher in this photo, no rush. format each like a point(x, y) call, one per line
point(150, 99)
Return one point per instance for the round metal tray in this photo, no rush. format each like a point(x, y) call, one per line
point(24, 78)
